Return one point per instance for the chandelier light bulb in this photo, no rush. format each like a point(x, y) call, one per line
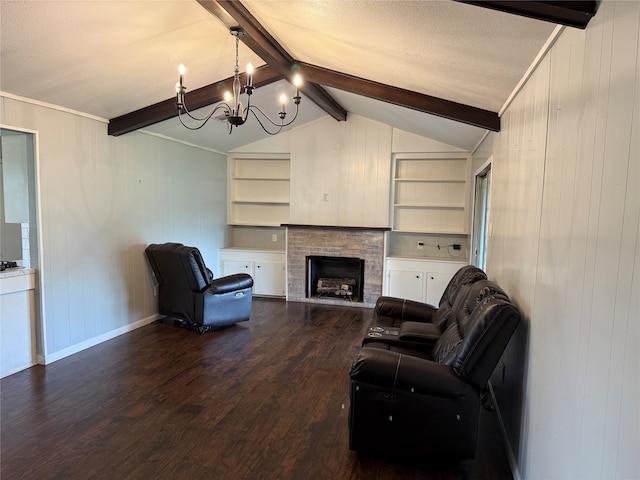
point(297, 80)
point(180, 85)
point(250, 74)
point(283, 101)
point(227, 96)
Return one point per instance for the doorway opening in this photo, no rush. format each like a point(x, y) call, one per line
point(481, 223)
point(20, 256)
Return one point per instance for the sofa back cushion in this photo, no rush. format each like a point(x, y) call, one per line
point(482, 323)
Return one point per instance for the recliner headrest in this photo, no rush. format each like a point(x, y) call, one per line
point(168, 259)
point(466, 275)
point(455, 290)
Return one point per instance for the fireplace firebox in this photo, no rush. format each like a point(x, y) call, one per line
point(335, 278)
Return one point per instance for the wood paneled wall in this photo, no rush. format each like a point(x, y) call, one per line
point(340, 173)
point(103, 199)
point(565, 210)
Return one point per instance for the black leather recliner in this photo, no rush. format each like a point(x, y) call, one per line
point(189, 294)
point(426, 404)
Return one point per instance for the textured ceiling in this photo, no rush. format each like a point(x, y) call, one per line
point(108, 58)
point(446, 49)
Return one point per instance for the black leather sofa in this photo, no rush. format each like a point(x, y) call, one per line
point(420, 398)
point(188, 293)
point(414, 325)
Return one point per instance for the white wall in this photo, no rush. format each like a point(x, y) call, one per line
point(565, 209)
point(103, 199)
point(350, 162)
point(340, 173)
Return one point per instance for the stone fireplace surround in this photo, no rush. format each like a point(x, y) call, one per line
point(360, 242)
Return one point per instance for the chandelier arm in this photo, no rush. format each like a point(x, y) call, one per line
point(281, 124)
point(188, 126)
point(293, 119)
point(206, 118)
point(262, 125)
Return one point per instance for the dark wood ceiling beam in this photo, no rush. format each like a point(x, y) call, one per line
point(232, 13)
point(572, 13)
point(198, 98)
point(404, 98)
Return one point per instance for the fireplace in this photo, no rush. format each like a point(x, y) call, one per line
point(335, 277)
point(365, 243)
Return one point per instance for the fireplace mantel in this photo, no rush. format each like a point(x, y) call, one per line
point(335, 227)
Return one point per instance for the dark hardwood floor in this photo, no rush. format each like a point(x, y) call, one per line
point(266, 399)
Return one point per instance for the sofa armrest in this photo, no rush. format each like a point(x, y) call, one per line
point(421, 332)
point(230, 283)
point(393, 370)
point(404, 309)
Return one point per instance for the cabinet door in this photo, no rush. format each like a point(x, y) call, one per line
point(268, 279)
point(436, 284)
point(230, 267)
point(406, 284)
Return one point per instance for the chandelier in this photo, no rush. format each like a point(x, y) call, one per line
point(235, 113)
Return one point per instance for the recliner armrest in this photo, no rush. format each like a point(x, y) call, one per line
point(230, 283)
point(393, 370)
point(404, 309)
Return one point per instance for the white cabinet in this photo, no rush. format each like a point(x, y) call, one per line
point(18, 320)
point(430, 193)
point(436, 284)
point(419, 280)
point(406, 284)
point(266, 267)
point(258, 190)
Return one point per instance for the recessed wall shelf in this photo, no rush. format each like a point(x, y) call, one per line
point(430, 193)
point(259, 189)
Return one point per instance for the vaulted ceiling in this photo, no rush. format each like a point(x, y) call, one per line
point(438, 68)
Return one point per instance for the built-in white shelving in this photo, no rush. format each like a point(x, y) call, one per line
point(259, 190)
point(430, 193)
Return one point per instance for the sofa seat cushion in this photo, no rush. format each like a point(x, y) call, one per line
point(399, 349)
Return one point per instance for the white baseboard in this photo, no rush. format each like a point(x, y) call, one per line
point(92, 342)
point(16, 370)
point(513, 462)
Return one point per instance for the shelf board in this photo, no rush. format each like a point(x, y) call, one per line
point(250, 224)
point(428, 206)
point(432, 232)
point(430, 180)
point(258, 202)
point(266, 179)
